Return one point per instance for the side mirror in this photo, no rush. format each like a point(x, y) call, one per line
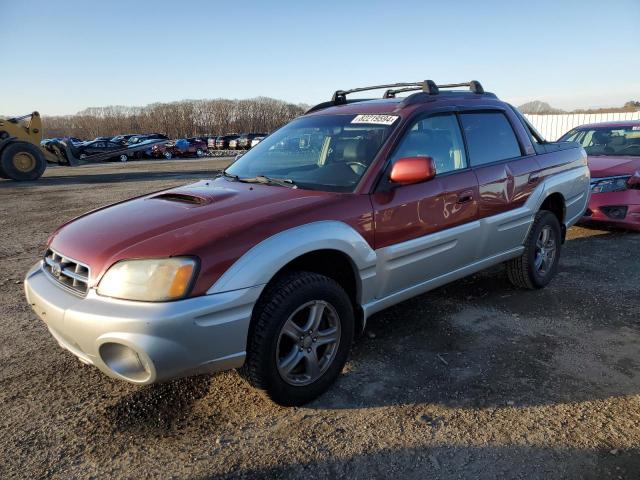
point(410, 170)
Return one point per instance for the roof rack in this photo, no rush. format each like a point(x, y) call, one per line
point(427, 86)
point(474, 86)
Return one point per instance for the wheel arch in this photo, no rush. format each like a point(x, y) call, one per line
point(330, 248)
point(556, 204)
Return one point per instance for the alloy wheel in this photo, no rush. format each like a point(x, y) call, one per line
point(308, 343)
point(545, 250)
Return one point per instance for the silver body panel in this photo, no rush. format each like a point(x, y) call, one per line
point(186, 337)
point(209, 333)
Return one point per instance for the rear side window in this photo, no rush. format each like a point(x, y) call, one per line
point(490, 137)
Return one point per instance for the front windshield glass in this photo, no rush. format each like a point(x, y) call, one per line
point(324, 152)
point(613, 141)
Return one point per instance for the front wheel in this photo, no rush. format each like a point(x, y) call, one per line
point(123, 158)
point(538, 264)
point(300, 338)
point(22, 161)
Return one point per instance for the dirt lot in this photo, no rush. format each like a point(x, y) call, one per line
point(474, 380)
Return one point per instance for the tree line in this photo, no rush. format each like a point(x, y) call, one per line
point(186, 118)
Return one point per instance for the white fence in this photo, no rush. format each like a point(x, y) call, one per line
point(553, 127)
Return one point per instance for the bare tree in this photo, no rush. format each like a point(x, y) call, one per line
point(185, 118)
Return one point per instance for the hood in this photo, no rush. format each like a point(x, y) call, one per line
point(204, 218)
point(612, 165)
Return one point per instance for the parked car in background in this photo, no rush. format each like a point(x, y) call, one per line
point(613, 151)
point(132, 140)
point(256, 141)
point(211, 143)
point(223, 142)
point(183, 147)
point(94, 147)
point(244, 141)
point(124, 138)
point(45, 143)
point(277, 263)
point(101, 139)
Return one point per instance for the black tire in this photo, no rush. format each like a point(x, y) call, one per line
point(522, 271)
point(22, 161)
point(277, 304)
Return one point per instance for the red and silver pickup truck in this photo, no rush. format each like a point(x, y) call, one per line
point(274, 266)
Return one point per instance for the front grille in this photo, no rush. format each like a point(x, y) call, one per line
point(67, 272)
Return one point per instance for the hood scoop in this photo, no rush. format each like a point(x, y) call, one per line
point(181, 197)
point(200, 193)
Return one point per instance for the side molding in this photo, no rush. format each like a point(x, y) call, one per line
point(258, 265)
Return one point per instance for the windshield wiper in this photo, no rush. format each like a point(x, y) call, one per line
point(282, 182)
point(230, 176)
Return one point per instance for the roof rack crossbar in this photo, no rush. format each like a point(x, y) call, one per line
point(474, 86)
point(340, 96)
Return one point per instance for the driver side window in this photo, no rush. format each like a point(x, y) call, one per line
point(437, 137)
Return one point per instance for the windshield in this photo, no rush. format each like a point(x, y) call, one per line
point(324, 152)
point(606, 141)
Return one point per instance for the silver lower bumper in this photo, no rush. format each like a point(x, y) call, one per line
point(144, 342)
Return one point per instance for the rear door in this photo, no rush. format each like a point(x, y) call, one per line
point(425, 230)
point(506, 169)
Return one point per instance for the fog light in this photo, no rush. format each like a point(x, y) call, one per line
point(615, 212)
point(124, 361)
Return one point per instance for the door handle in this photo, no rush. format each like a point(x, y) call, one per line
point(534, 178)
point(465, 197)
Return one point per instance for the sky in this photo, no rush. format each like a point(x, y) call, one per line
point(59, 57)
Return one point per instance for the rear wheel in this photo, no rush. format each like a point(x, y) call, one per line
point(199, 153)
point(538, 263)
point(22, 161)
point(123, 158)
point(168, 155)
point(302, 332)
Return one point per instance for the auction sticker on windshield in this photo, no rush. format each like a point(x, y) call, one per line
point(375, 119)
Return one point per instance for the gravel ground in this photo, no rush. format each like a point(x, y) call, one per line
point(473, 380)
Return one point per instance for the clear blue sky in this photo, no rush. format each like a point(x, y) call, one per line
point(62, 56)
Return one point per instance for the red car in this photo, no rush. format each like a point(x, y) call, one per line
point(184, 147)
point(276, 264)
point(613, 151)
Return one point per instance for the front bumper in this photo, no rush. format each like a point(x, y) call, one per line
point(145, 342)
point(599, 202)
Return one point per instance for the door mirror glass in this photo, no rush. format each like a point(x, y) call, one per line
point(409, 170)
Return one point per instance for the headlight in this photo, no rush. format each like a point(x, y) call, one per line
point(152, 280)
point(606, 185)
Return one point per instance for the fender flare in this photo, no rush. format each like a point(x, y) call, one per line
point(259, 265)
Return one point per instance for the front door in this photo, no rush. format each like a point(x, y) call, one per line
point(425, 230)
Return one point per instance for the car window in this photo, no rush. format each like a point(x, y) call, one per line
point(98, 145)
point(490, 137)
point(320, 152)
point(607, 141)
point(437, 137)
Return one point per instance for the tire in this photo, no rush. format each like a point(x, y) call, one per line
point(199, 153)
point(168, 155)
point(534, 269)
point(123, 158)
point(22, 161)
point(297, 296)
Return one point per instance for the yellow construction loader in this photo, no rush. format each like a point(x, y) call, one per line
point(21, 157)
